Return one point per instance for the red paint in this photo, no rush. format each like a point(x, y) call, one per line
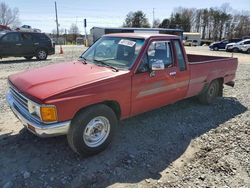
point(72, 86)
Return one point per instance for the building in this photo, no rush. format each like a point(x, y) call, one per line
point(187, 36)
point(98, 32)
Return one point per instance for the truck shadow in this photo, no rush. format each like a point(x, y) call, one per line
point(143, 147)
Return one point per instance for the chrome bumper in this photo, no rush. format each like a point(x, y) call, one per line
point(38, 128)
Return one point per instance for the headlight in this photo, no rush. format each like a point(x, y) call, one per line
point(46, 113)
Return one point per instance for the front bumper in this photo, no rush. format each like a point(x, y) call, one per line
point(38, 128)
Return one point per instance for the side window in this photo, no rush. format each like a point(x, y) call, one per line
point(158, 51)
point(11, 37)
point(179, 54)
point(26, 37)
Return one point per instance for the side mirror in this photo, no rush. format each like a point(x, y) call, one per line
point(157, 65)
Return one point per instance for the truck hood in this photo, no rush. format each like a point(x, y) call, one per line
point(47, 81)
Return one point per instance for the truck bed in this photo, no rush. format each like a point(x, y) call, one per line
point(204, 69)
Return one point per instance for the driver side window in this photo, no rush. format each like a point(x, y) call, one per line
point(158, 51)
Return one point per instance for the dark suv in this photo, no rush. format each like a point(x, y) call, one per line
point(25, 44)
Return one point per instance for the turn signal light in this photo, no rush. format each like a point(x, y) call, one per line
point(48, 113)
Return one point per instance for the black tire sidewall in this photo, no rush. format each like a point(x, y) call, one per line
point(78, 126)
point(215, 84)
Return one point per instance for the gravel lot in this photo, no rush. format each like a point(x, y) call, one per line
point(181, 145)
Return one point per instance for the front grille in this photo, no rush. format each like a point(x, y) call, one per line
point(19, 99)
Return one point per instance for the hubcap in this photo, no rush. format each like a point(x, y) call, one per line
point(42, 54)
point(211, 91)
point(96, 131)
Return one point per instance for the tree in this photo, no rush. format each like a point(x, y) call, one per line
point(136, 19)
point(74, 29)
point(165, 23)
point(8, 16)
point(73, 33)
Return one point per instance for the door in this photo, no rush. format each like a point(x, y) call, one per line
point(158, 88)
point(27, 44)
point(11, 44)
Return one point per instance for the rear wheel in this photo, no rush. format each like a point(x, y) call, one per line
point(209, 95)
point(91, 131)
point(28, 57)
point(235, 50)
point(216, 48)
point(41, 54)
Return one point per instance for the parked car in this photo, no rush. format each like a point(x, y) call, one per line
point(84, 99)
point(236, 47)
point(25, 44)
point(190, 43)
point(221, 45)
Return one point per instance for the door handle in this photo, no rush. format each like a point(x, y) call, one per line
point(172, 73)
point(36, 43)
point(18, 44)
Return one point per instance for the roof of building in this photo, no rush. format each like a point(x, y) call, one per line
point(142, 35)
point(135, 28)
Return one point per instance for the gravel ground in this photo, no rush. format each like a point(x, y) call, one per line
point(181, 145)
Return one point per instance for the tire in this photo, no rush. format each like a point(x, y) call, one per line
point(235, 50)
point(248, 50)
point(41, 54)
point(28, 57)
point(84, 137)
point(216, 48)
point(209, 95)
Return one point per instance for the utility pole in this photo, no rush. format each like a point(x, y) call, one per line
point(153, 17)
point(85, 30)
point(57, 25)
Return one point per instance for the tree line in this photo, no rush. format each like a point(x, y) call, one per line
point(212, 23)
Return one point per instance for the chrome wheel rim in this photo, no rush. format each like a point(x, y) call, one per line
point(96, 131)
point(42, 54)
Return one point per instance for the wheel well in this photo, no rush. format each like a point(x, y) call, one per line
point(112, 104)
point(115, 107)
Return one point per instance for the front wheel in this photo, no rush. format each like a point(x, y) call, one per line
point(41, 54)
point(235, 50)
point(209, 95)
point(91, 131)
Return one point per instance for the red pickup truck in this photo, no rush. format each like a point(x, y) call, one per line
point(119, 76)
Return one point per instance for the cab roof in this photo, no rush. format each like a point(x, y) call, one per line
point(143, 35)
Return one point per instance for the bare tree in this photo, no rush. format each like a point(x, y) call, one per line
point(74, 29)
point(8, 16)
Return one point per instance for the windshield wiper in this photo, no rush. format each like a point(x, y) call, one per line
point(106, 64)
point(83, 60)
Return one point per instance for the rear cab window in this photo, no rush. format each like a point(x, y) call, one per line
point(180, 55)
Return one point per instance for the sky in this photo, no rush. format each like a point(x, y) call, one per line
point(108, 13)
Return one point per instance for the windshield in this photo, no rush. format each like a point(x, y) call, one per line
point(118, 52)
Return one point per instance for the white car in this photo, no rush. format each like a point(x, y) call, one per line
point(236, 47)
